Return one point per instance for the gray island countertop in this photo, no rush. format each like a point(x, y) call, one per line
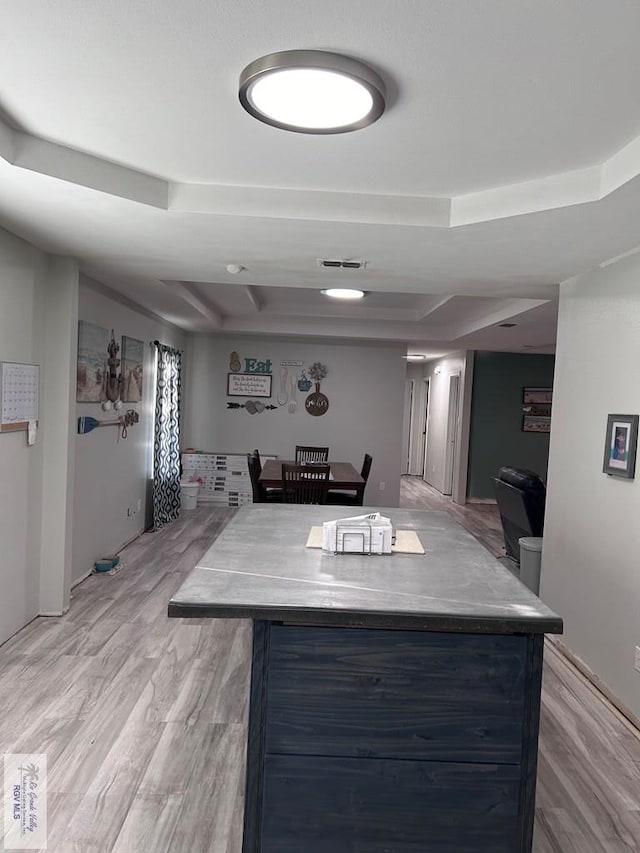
point(259, 568)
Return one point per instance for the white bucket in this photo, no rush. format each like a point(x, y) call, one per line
point(189, 494)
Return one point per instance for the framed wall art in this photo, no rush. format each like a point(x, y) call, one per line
point(249, 384)
point(132, 364)
point(91, 386)
point(537, 395)
point(536, 423)
point(620, 446)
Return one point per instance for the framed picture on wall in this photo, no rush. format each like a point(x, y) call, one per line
point(91, 383)
point(248, 385)
point(537, 395)
point(534, 423)
point(132, 369)
point(620, 446)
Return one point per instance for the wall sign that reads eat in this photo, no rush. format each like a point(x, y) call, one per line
point(252, 365)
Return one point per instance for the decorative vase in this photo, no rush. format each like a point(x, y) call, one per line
point(317, 403)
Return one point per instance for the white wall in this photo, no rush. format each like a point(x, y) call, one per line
point(365, 387)
point(111, 474)
point(57, 410)
point(591, 547)
point(23, 279)
point(63, 501)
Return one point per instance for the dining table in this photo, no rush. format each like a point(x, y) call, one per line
point(342, 475)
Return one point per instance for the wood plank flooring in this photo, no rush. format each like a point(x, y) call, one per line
point(143, 718)
point(482, 520)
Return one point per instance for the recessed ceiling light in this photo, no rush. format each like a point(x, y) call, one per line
point(414, 357)
point(312, 91)
point(343, 293)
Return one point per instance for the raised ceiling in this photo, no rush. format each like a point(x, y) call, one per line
point(507, 161)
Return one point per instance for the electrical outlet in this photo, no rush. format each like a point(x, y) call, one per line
point(637, 661)
point(382, 486)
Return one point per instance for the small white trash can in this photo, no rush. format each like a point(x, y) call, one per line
point(189, 494)
point(530, 562)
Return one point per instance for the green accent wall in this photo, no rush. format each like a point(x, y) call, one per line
point(496, 437)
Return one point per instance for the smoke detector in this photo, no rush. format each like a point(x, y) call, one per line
point(334, 263)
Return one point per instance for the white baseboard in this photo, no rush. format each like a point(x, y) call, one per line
point(83, 577)
point(619, 708)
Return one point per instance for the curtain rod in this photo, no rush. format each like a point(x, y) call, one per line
point(158, 344)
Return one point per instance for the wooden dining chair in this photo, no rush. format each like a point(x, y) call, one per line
point(261, 495)
point(305, 484)
point(352, 497)
point(305, 453)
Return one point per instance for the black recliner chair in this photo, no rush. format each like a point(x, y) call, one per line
point(521, 495)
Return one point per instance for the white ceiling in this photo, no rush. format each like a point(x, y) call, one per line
point(508, 159)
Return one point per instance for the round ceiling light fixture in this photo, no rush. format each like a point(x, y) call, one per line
point(312, 91)
point(343, 293)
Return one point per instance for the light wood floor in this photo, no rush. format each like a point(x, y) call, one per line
point(482, 520)
point(143, 717)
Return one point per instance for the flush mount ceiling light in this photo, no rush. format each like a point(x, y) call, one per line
point(312, 91)
point(343, 293)
point(415, 357)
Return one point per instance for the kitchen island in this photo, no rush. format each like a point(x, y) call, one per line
point(394, 699)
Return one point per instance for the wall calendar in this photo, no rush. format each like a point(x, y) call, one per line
point(19, 395)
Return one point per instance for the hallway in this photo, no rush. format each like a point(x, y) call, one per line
point(482, 520)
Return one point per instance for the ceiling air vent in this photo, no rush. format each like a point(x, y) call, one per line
point(332, 263)
point(507, 325)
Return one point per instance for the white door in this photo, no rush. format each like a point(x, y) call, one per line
point(452, 434)
point(408, 426)
point(425, 427)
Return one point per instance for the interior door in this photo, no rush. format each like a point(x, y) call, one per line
point(451, 447)
point(425, 428)
point(408, 426)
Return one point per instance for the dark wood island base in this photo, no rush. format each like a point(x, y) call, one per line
point(394, 703)
point(391, 741)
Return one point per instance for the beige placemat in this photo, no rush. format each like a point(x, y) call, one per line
point(407, 541)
